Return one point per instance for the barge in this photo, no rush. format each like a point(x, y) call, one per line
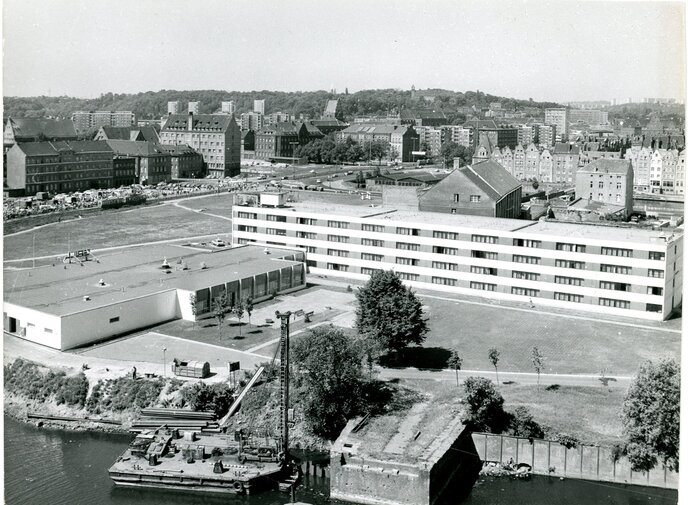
point(198, 462)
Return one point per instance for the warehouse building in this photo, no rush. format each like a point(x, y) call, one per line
point(616, 270)
point(65, 305)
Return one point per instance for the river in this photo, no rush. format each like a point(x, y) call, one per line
point(57, 467)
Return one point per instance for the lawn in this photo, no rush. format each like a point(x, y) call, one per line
point(589, 414)
point(160, 222)
point(568, 345)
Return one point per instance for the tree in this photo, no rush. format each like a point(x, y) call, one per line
point(238, 310)
point(455, 362)
point(485, 406)
point(537, 359)
point(249, 309)
point(360, 180)
point(389, 314)
point(493, 354)
point(194, 308)
point(451, 150)
point(522, 424)
point(650, 416)
point(393, 153)
point(220, 309)
point(330, 368)
point(202, 397)
point(378, 150)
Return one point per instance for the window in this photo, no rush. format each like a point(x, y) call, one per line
point(444, 266)
point(337, 266)
point(532, 260)
point(407, 277)
point(371, 257)
point(524, 291)
point(248, 215)
point(337, 252)
point(483, 270)
point(483, 286)
point(407, 261)
point(651, 290)
point(250, 229)
point(337, 238)
point(484, 255)
point(275, 231)
point(529, 276)
point(615, 269)
point(369, 271)
point(568, 297)
point(447, 235)
point(520, 242)
point(114, 319)
point(653, 307)
point(486, 239)
point(579, 265)
point(306, 234)
point(373, 227)
point(616, 286)
point(444, 281)
point(475, 198)
point(456, 198)
point(655, 273)
point(408, 231)
point(614, 251)
point(306, 221)
point(655, 255)
point(445, 250)
point(570, 247)
point(337, 224)
point(311, 249)
point(372, 242)
point(619, 304)
point(571, 281)
point(279, 219)
point(408, 247)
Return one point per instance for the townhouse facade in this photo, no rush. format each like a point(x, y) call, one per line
point(607, 181)
point(607, 270)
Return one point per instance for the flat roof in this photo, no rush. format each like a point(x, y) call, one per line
point(623, 233)
point(134, 272)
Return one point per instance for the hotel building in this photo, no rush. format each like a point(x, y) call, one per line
point(615, 270)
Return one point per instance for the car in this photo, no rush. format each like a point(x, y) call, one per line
point(313, 172)
point(318, 181)
point(350, 172)
point(218, 243)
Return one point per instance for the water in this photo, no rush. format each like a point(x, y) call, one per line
point(60, 467)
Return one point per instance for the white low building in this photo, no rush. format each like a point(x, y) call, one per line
point(67, 305)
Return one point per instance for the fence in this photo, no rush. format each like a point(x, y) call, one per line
point(547, 457)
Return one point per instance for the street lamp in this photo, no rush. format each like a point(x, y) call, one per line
point(164, 363)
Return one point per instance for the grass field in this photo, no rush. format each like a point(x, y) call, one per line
point(589, 414)
point(160, 222)
point(568, 345)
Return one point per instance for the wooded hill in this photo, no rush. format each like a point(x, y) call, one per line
point(153, 104)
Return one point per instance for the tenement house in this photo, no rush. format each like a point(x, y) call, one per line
point(216, 137)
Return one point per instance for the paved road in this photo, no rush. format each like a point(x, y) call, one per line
point(516, 377)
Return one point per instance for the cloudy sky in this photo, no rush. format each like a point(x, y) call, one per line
point(525, 49)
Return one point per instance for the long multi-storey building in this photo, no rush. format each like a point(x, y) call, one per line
point(402, 139)
point(84, 121)
point(216, 137)
point(559, 118)
point(613, 270)
point(59, 167)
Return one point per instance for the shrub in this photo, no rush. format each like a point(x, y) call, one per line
point(73, 390)
point(485, 404)
point(216, 398)
point(618, 451)
point(29, 379)
point(523, 425)
point(568, 441)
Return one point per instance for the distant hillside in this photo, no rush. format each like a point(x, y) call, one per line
point(153, 104)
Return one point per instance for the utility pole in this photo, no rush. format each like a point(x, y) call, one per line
point(284, 381)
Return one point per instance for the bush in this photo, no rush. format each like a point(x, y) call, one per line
point(523, 425)
point(568, 441)
point(29, 379)
point(73, 391)
point(124, 393)
point(618, 451)
point(485, 406)
point(215, 398)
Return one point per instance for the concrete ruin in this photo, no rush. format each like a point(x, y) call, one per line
point(425, 457)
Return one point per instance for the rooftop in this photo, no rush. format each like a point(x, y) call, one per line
point(607, 166)
point(617, 232)
point(54, 148)
point(200, 122)
point(133, 272)
point(51, 128)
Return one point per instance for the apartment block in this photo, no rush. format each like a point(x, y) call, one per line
point(559, 118)
point(216, 137)
point(606, 270)
point(84, 121)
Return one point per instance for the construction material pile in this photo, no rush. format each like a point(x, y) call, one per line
point(180, 419)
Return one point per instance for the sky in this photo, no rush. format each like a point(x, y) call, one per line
point(545, 50)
